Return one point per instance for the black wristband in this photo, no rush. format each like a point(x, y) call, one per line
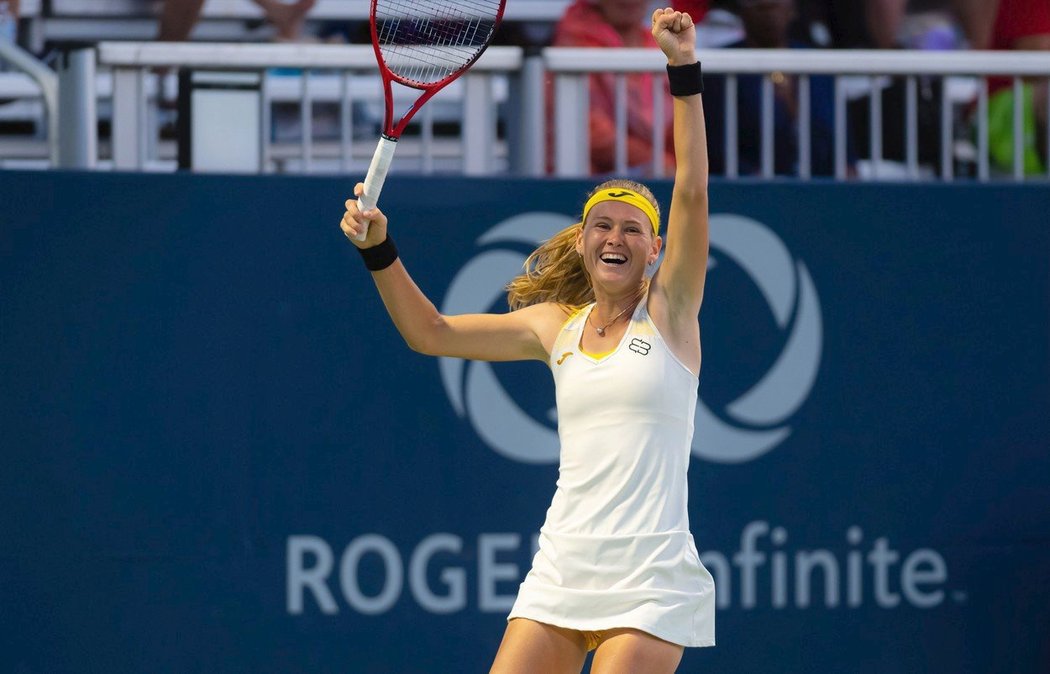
point(685, 80)
point(379, 256)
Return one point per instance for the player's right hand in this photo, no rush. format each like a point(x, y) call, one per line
point(354, 221)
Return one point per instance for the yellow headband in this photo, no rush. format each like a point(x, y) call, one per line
point(628, 197)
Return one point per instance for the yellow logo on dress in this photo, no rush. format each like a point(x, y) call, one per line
point(564, 356)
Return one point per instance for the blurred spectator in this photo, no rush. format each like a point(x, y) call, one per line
point(720, 26)
point(1020, 25)
point(887, 24)
point(696, 9)
point(939, 24)
point(766, 26)
point(717, 24)
point(178, 17)
point(616, 23)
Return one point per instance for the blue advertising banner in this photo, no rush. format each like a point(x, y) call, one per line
point(220, 456)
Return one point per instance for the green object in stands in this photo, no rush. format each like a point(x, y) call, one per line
point(1001, 131)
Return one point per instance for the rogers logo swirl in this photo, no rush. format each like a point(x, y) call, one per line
point(472, 386)
point(788, 289)
point(749, 427)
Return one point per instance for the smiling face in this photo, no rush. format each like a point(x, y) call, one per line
point(617, 244)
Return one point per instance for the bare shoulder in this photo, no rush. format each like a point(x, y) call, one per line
point(546, 320)
point(680, 331)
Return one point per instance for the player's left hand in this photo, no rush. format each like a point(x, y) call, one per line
point(676, 35)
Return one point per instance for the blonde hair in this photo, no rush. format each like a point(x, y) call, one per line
point(554, 272)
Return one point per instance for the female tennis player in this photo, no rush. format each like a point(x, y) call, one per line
point(617, 569)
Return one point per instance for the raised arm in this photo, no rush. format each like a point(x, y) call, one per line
point(519, 335)
point(679, 283)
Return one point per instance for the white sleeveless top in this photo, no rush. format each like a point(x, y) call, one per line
point(615, 550)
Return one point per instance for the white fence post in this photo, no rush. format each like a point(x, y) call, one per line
point(479, 125)
point(129, 124)
point(571, 137)
point(77, 116)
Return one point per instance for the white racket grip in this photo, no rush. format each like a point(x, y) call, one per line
point(376, 177)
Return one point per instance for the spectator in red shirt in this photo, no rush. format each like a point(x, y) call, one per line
point(616, 23)
point(1021, 25)
point(696, 9)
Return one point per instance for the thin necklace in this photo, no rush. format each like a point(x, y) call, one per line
point(602, 329)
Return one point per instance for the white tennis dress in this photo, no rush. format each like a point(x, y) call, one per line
point(615, 550)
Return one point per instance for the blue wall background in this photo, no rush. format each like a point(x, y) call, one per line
point(197, 373)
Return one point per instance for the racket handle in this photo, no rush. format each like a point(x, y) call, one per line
point(376, 177)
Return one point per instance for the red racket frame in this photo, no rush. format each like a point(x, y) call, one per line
point(389, 129)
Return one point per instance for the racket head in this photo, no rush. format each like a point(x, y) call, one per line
point(425, 44)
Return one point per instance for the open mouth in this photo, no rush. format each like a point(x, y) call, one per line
point(613, 258)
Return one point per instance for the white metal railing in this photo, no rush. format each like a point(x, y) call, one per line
point(572, 66)
point(132, 62)
point(346, 77)
point(43, 77)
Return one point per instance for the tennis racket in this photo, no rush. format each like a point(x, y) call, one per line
point(423, 44)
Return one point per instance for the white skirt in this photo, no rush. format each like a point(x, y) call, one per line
point(651, 582)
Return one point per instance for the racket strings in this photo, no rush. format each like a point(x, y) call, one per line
point(426, 41)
